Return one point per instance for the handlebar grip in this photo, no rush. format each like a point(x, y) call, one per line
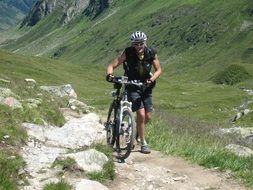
point(109, 78)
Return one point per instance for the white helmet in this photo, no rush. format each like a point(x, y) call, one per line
point(138, 36)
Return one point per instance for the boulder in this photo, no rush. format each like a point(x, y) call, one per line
point(61, 91)
point(31, 82)
point(90, 160)
point(76, 133)
point(11, 102)
point(79, 106)
point(239, 150)
point(4, 81)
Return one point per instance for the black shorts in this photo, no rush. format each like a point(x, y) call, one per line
point(141, 100)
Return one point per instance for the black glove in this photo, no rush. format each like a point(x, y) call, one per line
point(150, 84)
point(109, 77)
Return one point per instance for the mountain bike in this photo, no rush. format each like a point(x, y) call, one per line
point(120, 124)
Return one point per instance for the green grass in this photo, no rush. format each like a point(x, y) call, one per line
point(62, 185)
point(9, 125)
point(10, 163)
point(67, 163)
point(108, 172)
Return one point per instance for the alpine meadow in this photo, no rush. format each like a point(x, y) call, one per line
point(203, 101)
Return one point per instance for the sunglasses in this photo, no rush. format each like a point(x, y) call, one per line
point(139, 44)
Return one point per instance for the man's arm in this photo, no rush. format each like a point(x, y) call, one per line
point(115, 63)
point(157, 67)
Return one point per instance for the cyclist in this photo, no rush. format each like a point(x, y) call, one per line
point(138, 60)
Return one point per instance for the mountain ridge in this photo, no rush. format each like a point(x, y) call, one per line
point(68, 10)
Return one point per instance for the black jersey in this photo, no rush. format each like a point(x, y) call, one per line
point(138, 68)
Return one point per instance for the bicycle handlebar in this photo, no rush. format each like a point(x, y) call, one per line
point(124, 80)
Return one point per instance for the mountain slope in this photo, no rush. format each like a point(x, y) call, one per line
point(12, 12)
point(177, 28)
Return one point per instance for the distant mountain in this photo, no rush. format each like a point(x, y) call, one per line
point(67, 10)
point(13, 11)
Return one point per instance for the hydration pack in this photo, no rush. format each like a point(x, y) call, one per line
point(133, 63)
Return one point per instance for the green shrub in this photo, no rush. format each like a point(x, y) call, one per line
point(231, 75)
point(47, 111)
point(9, 166)
point(65, 164)
point(10, 121)
point(108, 172)
point(58, 186)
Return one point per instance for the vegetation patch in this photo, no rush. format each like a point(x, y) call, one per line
point(10, 131)
point(38, 106)
point(231, 75)
point(62, 185)
point(108, 171)
point(10, 163)
point(247, 56)
point(107, 174)
point(65, 164)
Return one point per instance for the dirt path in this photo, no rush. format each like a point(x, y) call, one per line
point(156, 171)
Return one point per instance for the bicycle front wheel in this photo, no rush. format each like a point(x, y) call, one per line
point(110, 125)
point(126, 136)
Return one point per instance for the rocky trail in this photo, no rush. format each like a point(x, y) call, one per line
point(156, 171)
point(153, 171)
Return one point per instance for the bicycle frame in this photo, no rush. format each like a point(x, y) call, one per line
point(121, 99)
point(123, 130)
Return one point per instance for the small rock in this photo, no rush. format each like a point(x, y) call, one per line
point(21, 172)
point(4, 81)
point(150, 187)
point(21, 183)
point(11, 102)
point(130, 177)
point(11, 157)
point(73, 107)
point(182, 178)
point(30, 81)
point(6, 136)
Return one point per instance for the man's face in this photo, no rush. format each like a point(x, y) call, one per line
point(139, 46)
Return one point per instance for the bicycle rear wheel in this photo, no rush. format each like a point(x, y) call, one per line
point(126, 136)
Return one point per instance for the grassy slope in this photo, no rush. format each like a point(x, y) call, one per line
point(50, 72)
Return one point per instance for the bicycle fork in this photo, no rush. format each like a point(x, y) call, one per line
point(121, 127)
